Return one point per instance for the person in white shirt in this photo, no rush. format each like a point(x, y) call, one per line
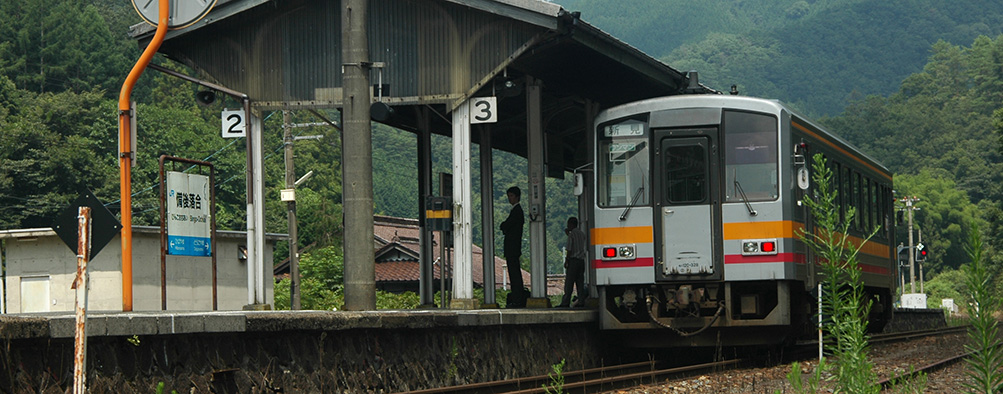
point(574, 264)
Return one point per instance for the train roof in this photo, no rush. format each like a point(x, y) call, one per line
point(742, 102)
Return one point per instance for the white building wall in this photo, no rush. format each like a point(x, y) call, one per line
point(189, 278)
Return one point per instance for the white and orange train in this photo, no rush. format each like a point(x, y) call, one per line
point(697, 215)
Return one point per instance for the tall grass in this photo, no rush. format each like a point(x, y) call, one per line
point(844, 300)
point(984, 366)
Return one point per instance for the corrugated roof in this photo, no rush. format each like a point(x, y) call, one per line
point(435, 53)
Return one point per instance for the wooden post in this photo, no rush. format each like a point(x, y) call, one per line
point(80, 285)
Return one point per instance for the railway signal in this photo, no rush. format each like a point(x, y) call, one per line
point(921, 252)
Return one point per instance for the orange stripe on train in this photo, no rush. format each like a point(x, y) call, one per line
point(622, 235)
point(755, 230)
point(732, 231)
point(791, 229)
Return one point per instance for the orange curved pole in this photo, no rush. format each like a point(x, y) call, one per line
point(125, 157)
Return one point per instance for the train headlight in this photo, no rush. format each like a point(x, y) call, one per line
point(627, 251)
point(758, 247)
point(618, 252)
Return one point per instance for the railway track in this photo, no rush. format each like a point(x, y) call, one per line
point(901, 336)
point(898, 336)
point(628, 375)
point(585, 381)
point(889, 382)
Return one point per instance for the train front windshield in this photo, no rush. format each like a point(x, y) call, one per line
point(750, 141)
point(624, 164)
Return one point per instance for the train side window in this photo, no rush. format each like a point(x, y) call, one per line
point(874, 206)
point(837, 171)
point(886, 202)
point(865, 201)
point(865, 219)
point(857, 200)
point(847, 193)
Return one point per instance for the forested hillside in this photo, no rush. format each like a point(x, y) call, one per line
point(817, 55)
point(940, 135)
point(657, 27)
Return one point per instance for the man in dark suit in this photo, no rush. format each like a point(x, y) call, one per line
point(512, 230)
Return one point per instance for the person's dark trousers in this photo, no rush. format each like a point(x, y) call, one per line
point(575, 277)
point(514, 273)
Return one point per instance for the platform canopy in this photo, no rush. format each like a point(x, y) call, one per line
point(428, 54)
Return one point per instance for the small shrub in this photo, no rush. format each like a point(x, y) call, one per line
point(556, 385)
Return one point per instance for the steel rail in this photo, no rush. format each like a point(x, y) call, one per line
point(587, 380)
point(887, 383)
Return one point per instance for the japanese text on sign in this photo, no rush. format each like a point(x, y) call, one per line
point(188, 221)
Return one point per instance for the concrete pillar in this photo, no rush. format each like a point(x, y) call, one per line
point(426, 280)
point(487, 216)
point(537, 195)
point(463, 239)
point(587, 200)
point(256, 218)
point(357, 188)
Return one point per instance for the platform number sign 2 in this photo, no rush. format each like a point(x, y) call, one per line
point(234, 124)
point(484, 110)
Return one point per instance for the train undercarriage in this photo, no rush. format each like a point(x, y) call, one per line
point(720, 313)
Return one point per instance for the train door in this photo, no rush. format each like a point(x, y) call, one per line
point(686, 183)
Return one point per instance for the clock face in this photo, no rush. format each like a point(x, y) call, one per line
point(183, 13)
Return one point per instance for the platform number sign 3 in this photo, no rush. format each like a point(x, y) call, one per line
point(234, 124)
point(483, 110)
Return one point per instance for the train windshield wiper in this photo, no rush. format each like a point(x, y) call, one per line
point(738, 186)
point(633, 201)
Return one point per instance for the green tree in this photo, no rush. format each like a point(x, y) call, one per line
point(943, 210)
point(946, 284)
point(66, 45)
point(47, 155)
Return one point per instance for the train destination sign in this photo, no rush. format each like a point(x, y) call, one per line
point(631, 128)
point(188, 220)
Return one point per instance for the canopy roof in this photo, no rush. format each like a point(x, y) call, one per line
point(428, 54)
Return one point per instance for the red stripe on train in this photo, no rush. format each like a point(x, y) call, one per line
point(773, 258)
point(798, 258)
point(638, 262)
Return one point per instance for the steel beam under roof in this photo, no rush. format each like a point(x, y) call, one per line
point(286, 55)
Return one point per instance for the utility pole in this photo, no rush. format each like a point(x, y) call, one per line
point(910, 206)
point(921, 280)
point(294, 266)
point(289, 196)
point(357, 189)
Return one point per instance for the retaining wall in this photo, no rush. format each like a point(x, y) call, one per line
point(330, 352)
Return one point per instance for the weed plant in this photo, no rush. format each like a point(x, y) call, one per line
point(984, 366)
point(845, 304)
point(556, 385)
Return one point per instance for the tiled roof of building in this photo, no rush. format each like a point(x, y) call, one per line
point(397, 238)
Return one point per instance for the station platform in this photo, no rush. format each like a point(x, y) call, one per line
point(62, 325)
point(298, 351)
